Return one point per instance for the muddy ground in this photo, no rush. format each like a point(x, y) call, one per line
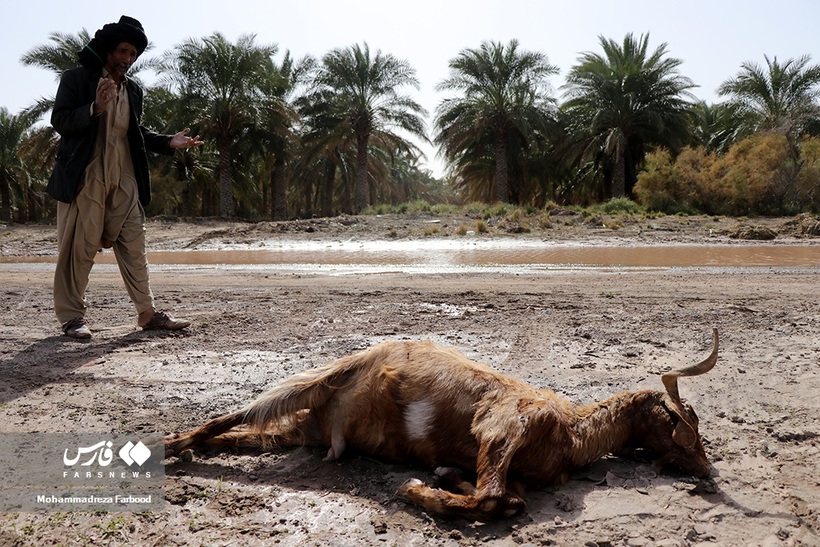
point(585, 334)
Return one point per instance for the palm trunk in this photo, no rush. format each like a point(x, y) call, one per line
point(225, 179)
point(183, 167)
point(279, 205)
point(208, 208)
point(361, 172)
point(23, 209)
point(347, 198)
point(327, 188)
point(502, 188)
point(189, 199)
point(32, 206)
point(266, 199)
point(309, 199)
point(5, 200)
point(619, 176)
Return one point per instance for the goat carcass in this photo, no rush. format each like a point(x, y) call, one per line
point(419, 402)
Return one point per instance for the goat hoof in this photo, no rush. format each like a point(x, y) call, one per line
point(513, 507)
point(404, 489)
point(447, 477)
point(489, 506)
point(447, 472)
point(170, 442)
point(510, 512)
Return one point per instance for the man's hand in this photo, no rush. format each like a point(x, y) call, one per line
point(106, 91)
point(181, 140)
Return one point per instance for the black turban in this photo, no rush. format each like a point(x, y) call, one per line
point(127, 29)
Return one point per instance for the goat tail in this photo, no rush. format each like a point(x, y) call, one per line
point(278, 415)
point(308, 390)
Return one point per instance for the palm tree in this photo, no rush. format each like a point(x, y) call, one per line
point(60, 54)
point(625, 100)
point(716, 126)
point(14, 177)
point(274, 133)
point(504, 95)
point(184, 180)
point(328, 147)
point(780, 97)
point(366, 97)
point(221, 85)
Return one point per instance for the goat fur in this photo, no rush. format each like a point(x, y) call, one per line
point(420, 402)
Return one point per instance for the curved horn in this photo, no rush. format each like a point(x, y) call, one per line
point(685, 434)
point(670, 379)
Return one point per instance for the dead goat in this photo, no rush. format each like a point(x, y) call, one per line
point(419, 402)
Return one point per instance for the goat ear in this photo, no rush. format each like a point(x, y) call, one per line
point(684, 435)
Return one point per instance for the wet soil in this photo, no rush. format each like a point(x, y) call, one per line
point(585, 334)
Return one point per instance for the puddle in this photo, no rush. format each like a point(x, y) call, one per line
point(444, 256)
point(677, 256)
point(488, 253)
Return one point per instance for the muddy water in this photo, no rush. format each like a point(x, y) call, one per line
point(587, 256)
point(434, 254)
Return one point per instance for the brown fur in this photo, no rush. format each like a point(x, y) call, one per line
point(418, 402)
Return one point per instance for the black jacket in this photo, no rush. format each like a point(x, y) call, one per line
point(72, 119)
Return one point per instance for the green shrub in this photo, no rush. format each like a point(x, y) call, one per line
point(624, 206)
point(496, 210)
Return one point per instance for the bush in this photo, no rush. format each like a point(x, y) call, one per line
point(671, 186)
point(762, 175)
point(496, 210)
point(624, 206)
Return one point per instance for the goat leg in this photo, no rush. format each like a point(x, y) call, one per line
point(451, 478)
point(440, 502)
point(470, 506)
point(488, 499)
point(251, 439)
point(492, 466)
point(176, 443)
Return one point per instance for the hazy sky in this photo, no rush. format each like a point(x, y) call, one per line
point(712, 38)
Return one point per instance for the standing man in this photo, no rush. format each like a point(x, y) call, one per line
point(101, 176)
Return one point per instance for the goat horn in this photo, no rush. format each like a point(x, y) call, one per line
point(670, 379)
point(685, 433)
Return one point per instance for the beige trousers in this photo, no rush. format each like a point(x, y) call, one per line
point(107, 208)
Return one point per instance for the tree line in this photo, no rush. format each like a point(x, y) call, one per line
point(321, 136)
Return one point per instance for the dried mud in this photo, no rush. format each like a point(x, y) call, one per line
point(585, 334)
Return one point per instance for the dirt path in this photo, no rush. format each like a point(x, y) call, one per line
point(586, 335)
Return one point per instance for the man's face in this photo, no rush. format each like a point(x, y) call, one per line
point(121, 59)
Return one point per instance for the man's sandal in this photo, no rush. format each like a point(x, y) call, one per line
point(162, 321)
point(77, 328)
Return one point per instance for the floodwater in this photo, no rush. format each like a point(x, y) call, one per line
point(437, 255)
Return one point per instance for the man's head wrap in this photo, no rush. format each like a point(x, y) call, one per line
point(127, 29)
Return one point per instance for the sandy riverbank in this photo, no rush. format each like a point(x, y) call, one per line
point(586, 335)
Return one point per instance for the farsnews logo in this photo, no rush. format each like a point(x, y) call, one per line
point(134, 453)
point(102, 454)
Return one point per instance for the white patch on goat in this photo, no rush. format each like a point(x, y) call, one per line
point(418, 418)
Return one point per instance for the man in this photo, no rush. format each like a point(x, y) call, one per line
point(101, 176)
